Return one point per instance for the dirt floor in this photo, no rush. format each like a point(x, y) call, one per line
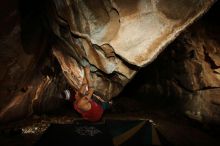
point(175, 127)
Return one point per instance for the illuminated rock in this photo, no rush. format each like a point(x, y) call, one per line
point(118, 37)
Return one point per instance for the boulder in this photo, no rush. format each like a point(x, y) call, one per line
point(116, 38)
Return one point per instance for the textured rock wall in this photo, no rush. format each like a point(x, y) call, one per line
point(200, 76)
point(27, 79)
point(116, 37)
point(187, 71)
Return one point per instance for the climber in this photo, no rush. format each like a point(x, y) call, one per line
point(85, 102)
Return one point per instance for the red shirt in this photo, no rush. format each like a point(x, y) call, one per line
point(94, 114)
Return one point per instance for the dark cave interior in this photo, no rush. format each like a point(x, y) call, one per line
point(159, 92)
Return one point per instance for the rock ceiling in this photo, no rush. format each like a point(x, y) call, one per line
point(117, 37)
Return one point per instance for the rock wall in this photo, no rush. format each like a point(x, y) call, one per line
point(116, 38)
point(45, 44)
point(187, 71)
point(29, 78)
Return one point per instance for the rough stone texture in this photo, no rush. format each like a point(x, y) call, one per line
point(201, 81)
point(116, 37)
point(74, 74)
point(187, 71)
point(27, 80)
